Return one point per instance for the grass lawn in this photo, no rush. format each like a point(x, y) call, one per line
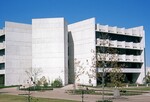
point(14, 98)
point(138, 88)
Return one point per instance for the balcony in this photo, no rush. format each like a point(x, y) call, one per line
point(137, 59)
point(118, 44)
point(122, 57)
point(129, 58)
point(2, 32)
point(135, 32)
point(128, 32)
point(129, 45)
point(2, 59)
point(124, 70)
point(2, 45)
point(121, 44)
point(113, 43)
point(112, 29)
point(121, 30)
point(2, 71)
point(131, 70)
point(102, 42)
point(103, 28)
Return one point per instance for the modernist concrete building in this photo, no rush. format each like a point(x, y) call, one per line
point(53, 46)
point(130, 45)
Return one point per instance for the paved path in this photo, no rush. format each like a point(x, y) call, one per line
point(61, 94)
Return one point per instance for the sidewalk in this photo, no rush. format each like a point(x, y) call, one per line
point(61, 94)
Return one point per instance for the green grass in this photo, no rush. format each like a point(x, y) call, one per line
point(107, 92)
point(8, 86)
point(138, 88)
point(14, 98)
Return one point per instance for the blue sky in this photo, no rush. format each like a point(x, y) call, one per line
point(121, 13)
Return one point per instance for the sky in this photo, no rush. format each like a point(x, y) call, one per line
point(121, 13)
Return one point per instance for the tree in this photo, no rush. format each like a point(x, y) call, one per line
point(33, 74)
point(105, 61)
point(146, 79)
point(32, 79)
point(116, 76)
point(79, 70)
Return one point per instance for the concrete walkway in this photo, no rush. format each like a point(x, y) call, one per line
point(61, 94)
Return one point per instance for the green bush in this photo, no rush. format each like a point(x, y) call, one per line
point(37, 88)
point(57, 83)
point(45, 84)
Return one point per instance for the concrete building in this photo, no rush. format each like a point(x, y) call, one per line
point(129, 43)
point(53, 45)
point(15, 53)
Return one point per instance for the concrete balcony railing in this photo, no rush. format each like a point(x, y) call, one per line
point(129, 58)
point(102, 42)
point(121, 44)
point(107, 57)
point(2, 59)
point(118, 44)
point(2, 32)
point(129, 45)
point(137, 31)
point(121, 30)
point(113, 43)
point(112, 29)
point(2, 71)
point(137, 59)
point(103, 28)
point(120, 58)
point(131, 70)
point(136, 45)
point(128, 32)
point(2, 45)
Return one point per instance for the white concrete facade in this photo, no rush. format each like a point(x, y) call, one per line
point(130, 42)
point(17, 52)
point(50, 48)
point(52, 45)
point(83, 35)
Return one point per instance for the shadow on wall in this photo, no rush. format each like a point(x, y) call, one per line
point(70, 59)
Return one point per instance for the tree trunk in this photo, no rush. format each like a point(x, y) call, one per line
point(116, 93)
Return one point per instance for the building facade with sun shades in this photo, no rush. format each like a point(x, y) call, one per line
point(54, 45)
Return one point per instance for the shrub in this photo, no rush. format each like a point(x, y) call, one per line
point(45, 84)
point(37, 88)
point(57, 83)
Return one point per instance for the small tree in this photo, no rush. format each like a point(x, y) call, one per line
point(79, 70)
point(116, 76)
point(32, 79)
point(57, 83)
point(33, 74)
point(146, 79)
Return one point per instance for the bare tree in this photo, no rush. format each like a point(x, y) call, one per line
point(79, 70)
point(33, 74)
